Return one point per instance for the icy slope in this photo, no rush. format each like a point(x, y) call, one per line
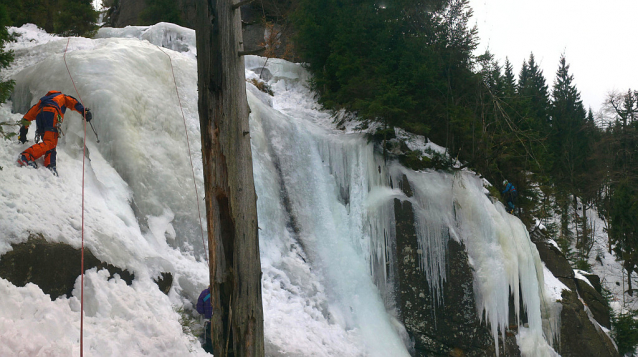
point(140, 215)
point(140, 210)
point(324, 205)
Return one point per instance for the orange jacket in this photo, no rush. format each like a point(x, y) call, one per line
point(56, 102)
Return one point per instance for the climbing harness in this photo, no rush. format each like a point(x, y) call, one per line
point(58, 127)
point(83, 170)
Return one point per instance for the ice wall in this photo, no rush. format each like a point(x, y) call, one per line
point(324, 203)
point(504, 260)
point(353, 204)
point(129, 88)
point(313, 187)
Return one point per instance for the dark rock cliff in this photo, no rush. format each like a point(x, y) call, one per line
point(450, 329)
point(127, 12)
point(580, 334)
point(54, 267)
point(454, 328)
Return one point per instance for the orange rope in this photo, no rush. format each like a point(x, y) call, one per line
point(201, 226)
point(83, 162)
point(83, 169)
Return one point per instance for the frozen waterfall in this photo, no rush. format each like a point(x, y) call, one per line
point(325, 206)
point(335, 200)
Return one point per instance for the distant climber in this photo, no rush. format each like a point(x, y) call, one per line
point(510, 194)
point(205, 307)
point(48, 114)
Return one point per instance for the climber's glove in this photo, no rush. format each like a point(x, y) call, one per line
point(23, 134)
point(88, 115)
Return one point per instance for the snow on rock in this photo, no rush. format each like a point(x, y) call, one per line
point(163, 34)
point(553, 286)
point(453, 206)
point(579, 274)
point(120, 320)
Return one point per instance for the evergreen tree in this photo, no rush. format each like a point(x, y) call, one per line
point(65, 17)
point(404, 64)
point(570, 146)
point(534, 97)
point(509, 79)
point(6, 57)
point(622, 194)
point(161, 11)
point(78, 18)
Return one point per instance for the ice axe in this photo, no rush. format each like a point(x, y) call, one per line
point(95, 132)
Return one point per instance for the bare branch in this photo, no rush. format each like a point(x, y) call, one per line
point(251, 52)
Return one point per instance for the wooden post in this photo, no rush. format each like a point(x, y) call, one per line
point(231, 202)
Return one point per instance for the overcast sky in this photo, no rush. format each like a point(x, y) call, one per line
point(598, 38)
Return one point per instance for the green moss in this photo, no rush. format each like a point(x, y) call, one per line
point(415, 160)
point(494, 192)
point(381, 135)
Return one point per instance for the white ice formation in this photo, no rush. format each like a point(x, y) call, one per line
point(325, 206)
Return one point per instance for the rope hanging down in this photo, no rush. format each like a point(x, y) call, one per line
point(83, 171)
point(201, 226)
point(83, 162)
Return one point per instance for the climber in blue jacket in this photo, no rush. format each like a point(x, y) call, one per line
point(510, 194)
point(205, 307)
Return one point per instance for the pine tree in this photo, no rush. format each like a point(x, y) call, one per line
point(568, 121)
point(65, 17)
point(6, 57)
point(622, 208)
point(509, 79)
point(161, 11)
point(534, 97)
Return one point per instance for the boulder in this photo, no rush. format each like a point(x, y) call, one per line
point(595, 301)
point(554, 259)
point(579, 337)
point(54, 267)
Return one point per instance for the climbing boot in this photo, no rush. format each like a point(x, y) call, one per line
point(24, 161)
point(53, 170)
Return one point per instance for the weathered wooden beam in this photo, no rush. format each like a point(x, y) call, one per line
point(251, 52)
point(241, 3)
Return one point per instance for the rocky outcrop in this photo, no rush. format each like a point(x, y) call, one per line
point(580, 336)
point(595, 302)
point(127, 12)
point(54, 267)
point(452, 328)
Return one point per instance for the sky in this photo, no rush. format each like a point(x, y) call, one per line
point(597, 37)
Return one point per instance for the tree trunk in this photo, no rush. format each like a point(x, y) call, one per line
point(231, 202)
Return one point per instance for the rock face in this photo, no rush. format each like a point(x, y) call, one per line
point(54, 267)
point(580, 336)
point(452, 328)
point(127, 12)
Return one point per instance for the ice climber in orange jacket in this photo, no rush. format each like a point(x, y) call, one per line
point(48, 114)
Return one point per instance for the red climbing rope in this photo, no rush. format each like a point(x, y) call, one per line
point(83, 160)
point(83, 169)
point(201, 226)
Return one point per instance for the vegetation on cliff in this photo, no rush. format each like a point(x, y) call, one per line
point(410, 64)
